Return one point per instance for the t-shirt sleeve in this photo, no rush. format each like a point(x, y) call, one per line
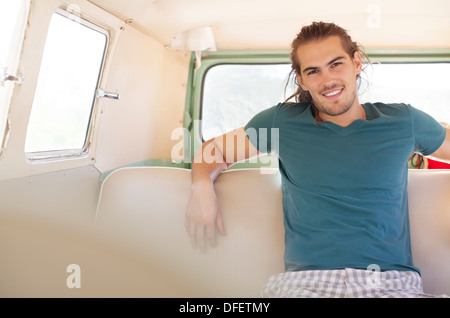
point(259, 129)
point(428, 133)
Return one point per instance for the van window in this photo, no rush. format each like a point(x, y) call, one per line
point(233, 93)
point(425, 86)
point(13, 18)
point(65, 93)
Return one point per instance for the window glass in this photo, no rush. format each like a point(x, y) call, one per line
point(13, 17)
point(66, 87)
point(233, 93)
point(425, 86)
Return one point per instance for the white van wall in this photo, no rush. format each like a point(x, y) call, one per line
point(151, 81)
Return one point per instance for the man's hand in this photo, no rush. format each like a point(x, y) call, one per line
point(203, 215)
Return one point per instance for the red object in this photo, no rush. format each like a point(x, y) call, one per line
point(433, 164)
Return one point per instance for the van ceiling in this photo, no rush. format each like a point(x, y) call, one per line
point(272, 24)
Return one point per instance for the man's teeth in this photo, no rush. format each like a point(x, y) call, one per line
point(333, 93)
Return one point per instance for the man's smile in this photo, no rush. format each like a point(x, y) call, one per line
point(333, 93)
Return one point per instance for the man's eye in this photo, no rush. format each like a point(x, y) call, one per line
point(312, 72)
point(336, 64)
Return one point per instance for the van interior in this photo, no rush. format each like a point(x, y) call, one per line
point(103, 104)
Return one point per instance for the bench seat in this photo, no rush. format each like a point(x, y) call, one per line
point(144, 207)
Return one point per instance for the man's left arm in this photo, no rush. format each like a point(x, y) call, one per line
point(443, 152)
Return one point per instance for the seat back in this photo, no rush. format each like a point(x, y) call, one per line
point(429, 210)
point(144, 208)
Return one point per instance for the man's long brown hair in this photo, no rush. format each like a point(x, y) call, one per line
point(318, 31)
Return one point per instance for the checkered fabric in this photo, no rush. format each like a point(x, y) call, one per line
point(345, 283)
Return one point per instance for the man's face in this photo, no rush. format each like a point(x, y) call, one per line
point(329, 74)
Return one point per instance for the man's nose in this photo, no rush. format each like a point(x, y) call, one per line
point(328, 80)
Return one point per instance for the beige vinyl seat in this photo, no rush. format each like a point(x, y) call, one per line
point(143, 209)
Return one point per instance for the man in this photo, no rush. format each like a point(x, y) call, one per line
point(344, 176)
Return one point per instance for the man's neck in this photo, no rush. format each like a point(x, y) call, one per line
point(346, 119)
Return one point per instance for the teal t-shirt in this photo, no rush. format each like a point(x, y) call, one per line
point(344, 189)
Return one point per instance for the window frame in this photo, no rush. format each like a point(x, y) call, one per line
point(16, 46)
point(83, 152)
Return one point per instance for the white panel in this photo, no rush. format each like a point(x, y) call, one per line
point(273, 24)
point(69, 195)
point(151, 81)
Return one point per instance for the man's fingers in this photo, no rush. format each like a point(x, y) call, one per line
point(211, 235)
point(190, 229)
point(219, 224)
point(200, 237)
point(202, 233)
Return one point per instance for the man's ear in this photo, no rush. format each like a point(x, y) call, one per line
point(300, 82)
point(358, 61)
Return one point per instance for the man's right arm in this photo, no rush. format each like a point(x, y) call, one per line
point(203, 213)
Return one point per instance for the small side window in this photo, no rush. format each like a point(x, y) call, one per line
point(65, 93)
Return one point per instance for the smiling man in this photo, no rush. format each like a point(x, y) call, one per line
point(328, 73)
point(345, 214)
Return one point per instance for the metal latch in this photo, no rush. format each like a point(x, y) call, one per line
point(5, 77)
point(102, 94)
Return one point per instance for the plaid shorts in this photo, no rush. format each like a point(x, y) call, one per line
point(345, 283)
